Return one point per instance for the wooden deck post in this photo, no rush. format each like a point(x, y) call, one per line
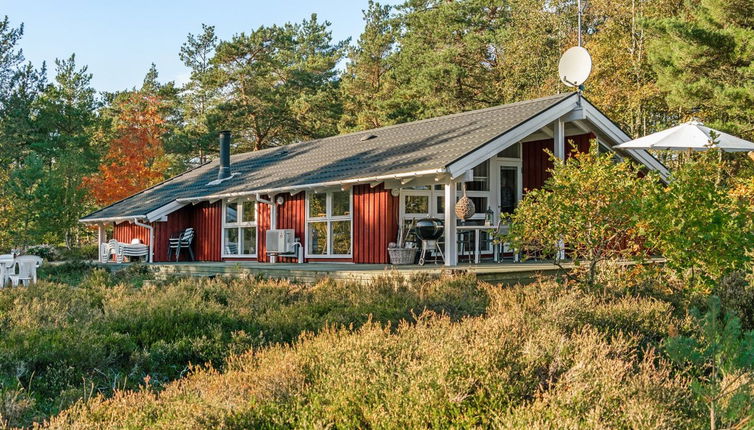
point(451, 237)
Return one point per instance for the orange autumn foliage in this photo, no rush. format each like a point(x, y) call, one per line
point(135, 157)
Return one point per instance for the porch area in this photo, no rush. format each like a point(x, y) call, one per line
point(496, 273)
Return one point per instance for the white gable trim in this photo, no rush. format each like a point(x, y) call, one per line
point(515, 134)
point(574, 108)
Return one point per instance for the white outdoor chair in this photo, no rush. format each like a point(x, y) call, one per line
point(26, 266)
point(6, 264)
point(108, 249)
point(134, 249)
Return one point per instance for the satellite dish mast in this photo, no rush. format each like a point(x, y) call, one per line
point(576, 63)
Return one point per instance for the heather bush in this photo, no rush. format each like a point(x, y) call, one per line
point(63, 342)
point(543, 356)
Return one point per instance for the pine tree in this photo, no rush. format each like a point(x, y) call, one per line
point(280, 83)
point(705, 62)
point(368, 83)
point(198, 98)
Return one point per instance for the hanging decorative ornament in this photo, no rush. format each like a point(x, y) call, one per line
point(465, 207)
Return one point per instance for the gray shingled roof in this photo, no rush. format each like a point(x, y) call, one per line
point(416, 146)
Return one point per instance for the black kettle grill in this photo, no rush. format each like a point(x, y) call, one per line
point(428, 230)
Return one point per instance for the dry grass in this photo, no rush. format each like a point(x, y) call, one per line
point(544, 356)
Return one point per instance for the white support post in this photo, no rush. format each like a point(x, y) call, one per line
point(273, 221)
point(559, 138)
point(451, 236)
point(101, 238)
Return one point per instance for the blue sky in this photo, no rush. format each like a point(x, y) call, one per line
point(119, 39)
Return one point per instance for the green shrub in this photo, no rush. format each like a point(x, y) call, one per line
point(540, 358)
point(591, 204)
point(60, 342)
point(48, 252)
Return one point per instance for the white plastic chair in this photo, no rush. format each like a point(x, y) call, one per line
point(6, 264)
point(27, 270)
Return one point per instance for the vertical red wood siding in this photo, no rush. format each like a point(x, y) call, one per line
point(292, 214)
point(177, 222)
point(536, 162)
point(578, 143)
point(208, 225)
point(125, 232)
point(375, 223)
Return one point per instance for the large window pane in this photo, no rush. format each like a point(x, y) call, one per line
point(249, 242)
point(231, 241)
point(317, 205)
point(249, 212)
point(317, 239)
point(417, 204)
point(231, 212)
point(341, 203)
point(341, 237)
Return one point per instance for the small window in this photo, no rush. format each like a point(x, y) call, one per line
point(341, 203)
point(317, 205)
point(417, 204)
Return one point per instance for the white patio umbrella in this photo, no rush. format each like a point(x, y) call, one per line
point(690, 135)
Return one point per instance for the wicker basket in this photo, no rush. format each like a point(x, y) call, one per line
point(402, 255)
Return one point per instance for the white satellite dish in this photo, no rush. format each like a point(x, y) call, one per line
point(575, 66)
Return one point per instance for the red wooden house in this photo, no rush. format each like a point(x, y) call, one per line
point(344, 196)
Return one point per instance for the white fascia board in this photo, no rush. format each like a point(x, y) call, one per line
point(117, 219)
point(317, 186)
point(510, 137)
point(164, 210)
point(617, 135)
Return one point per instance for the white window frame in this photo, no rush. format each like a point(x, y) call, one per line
point(480, 213)
point(328, 218)
point(239, 225)
point(430, 193)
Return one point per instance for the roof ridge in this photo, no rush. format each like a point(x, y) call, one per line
point(419, 121)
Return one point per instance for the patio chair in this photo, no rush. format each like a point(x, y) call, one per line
point(6, 264)
point(26, 266)
point(108, 249)
point(134, 249)
point(181, 241)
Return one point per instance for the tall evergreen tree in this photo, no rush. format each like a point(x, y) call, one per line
point(198, 97)
point(704, 59)
point(367, 85)
point(280, 83)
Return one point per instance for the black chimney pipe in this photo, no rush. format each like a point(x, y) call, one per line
point(224, 171)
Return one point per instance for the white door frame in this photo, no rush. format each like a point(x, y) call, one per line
point(495, 165)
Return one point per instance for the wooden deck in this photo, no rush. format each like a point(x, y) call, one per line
point(505, 273)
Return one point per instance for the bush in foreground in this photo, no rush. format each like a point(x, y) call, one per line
point(61, 343)
point(544, 356)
